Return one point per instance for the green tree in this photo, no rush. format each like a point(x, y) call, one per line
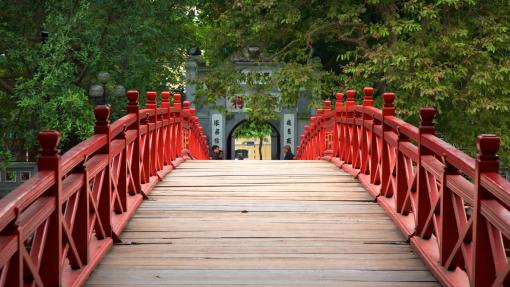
point(44, 84)
point(254, 129)
point(453, 55)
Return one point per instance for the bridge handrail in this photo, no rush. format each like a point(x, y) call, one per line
point(454, 209)
point(58, 225)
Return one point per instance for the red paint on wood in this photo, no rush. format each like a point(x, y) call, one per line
point(454, 208)
point(93, 189)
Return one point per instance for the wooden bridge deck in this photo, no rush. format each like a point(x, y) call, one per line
point(260, 223)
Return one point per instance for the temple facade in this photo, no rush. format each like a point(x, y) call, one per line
point(220, 126)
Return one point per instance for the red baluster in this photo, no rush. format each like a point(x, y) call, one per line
point(153, 132)
point(307, 139)
point(366, 132)
point(166, 157)
point(338, 135)
point(49, 160)
point(484, 268)
point(320, 132)
point(102, 114)
point(424, 204)
point(133, 108)
point(178, 126)
point(387, 151)
point(349, 127)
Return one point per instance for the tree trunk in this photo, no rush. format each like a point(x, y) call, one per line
point(261, 140)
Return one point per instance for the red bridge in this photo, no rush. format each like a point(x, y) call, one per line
point(285, 223)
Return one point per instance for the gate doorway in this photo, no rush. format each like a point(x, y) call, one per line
point(248, 148)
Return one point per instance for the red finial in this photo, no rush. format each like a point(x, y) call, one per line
point(427, 117)
point(132, 96)
point(367, 96)
point(313, 120)
point(192, 111)
point(487, 146)
point(320, 112)
point(177, 101)
point(132, 106)
point(102, 114)
point(307, 128)
point(388, 99)
point(165, 99)
point(368, 92)
point(351, 94)
point(151, 99)
point(186, 105)
point(339, 100)
point(327, 105)
point(49, 141)
point(388, 107)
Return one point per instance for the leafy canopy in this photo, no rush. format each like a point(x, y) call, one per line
point(44, 84)
point(453, 55)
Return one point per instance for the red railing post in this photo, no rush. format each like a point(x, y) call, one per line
point(313, 139)
point(387, 153)
point(376, 144)
point(192, 139)
point(49, 160)
point(102, 114)
point(153, 132)
point(329, 129)
point(365, 132)
point(166, 138)
point(484, 271)
point(357, 123)
point(186, 125)
point(134, 168)
point(424, 204)
point(402, 177)
point(337, 135)
point(320, 132)
point(349, 127)
point(307, 144)
point(178, 126)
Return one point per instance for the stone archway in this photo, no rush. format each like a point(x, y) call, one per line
point(275, 141)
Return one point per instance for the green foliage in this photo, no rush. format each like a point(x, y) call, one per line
point(44, 85)
point(253, 129)
point(453, 55)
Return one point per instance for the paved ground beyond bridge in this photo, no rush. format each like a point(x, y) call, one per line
point(260, 223)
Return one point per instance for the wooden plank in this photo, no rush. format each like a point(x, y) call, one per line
point(336, 284)
point(261, 223)
point(123, 276)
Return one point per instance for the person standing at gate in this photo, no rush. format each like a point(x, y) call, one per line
point(287, 153)
point(215, 152)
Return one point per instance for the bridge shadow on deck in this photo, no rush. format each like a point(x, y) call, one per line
point(260, 223)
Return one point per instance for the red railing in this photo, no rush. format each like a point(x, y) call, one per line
point(57, 226)
point(454, 209)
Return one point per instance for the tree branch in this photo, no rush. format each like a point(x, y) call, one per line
point(6, 87)
point(308, 36)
